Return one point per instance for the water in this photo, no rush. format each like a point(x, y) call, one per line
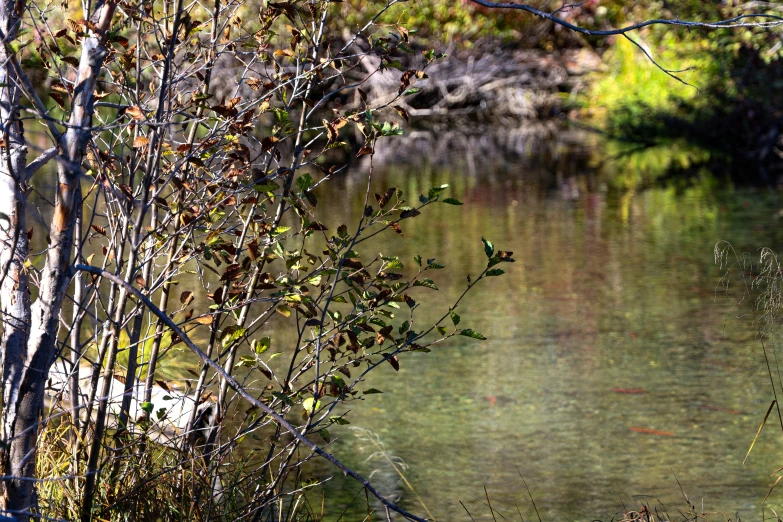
point(611, 324)
point(614, 291)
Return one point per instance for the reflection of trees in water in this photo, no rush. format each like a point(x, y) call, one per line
point(602, 275)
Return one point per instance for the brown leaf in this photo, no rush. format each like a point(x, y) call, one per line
point(140, 141)
point(74, 26)
point(70, 60)
point(268, 142)
point(217, 297)
point(408, 77)
point(315, 225)
point(383, 200)
point(252, 249)
point(56, 96)
point(232, 273)
point(403, 113)
point(254, 83)
point(186, 297)
point(331, 132)
point(395, 362)
point(383, 334)
point(59, 87)
point(135, 112)
point(204, 319)
point(99, 229)
point(396, 227)
point(366, 149)
point(163, 385)
point(140, 281)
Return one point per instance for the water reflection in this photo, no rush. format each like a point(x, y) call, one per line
point(611, 364)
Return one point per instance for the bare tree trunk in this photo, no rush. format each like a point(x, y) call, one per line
point(29, 353)
point(17, 458)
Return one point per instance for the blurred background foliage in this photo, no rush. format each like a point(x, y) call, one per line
point(724, 114)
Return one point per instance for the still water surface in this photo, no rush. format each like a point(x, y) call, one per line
point(612, 364)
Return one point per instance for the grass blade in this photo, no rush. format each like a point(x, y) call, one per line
point(770, 489)
point(759, 432)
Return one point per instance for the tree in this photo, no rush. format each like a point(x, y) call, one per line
point(189, 147)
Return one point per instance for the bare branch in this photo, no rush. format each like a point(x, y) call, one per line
point(39, 162)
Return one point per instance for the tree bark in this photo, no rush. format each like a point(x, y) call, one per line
point(30, 352)
point(16, 458)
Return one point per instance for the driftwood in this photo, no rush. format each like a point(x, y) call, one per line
point(493, 84)
point(487, 82)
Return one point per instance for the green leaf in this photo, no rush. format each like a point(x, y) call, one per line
point(435, 191)
point(429, 283)
point(472, 334)
point(371, 391)
point(324, 433)
point(263, 345)
point(495, 272)
point(454, 318)
point(231, 334)
point(147, 406)
point(304, 182)
point(310, 406)
point(452, 201)
point(404, 327)
point(418, 260)
point(339, 420)
point(342, 231)
point(441, 330)
point(247, 361)
point(489, 248)
point(269, 186)
point(283, 397)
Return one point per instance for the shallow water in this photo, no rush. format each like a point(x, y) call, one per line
point(614, 364)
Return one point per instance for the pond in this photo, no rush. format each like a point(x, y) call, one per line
point(616, 369)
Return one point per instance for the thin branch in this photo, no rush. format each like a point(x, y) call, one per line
point(767, 20)
point(39, 162)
